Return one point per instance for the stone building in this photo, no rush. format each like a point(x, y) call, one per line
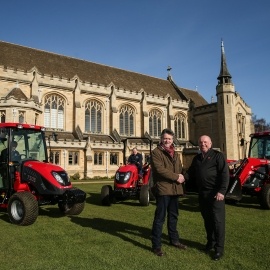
point(100, 113)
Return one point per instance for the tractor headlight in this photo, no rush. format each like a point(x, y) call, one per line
point(117, 176)
point(127, 176)
point(58, 178)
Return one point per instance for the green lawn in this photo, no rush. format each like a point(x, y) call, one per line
point(118, 237)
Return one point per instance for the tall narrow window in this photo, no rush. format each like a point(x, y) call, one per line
point(21, 117)
point(55, 155)
point(54, 111)
point(126, 120)
point(3, 116)
point(113, 158)
point(155, 123)
point(98, 158)
point(36, 119)
point(93, 116)
point(180, 126)
point(73, 158)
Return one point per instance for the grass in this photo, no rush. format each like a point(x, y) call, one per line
point(118, 237)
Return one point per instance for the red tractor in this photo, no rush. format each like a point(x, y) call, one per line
point(28, 180)
point(251, 176)
point(128, 184)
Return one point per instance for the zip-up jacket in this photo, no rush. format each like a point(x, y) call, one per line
point(211, 172)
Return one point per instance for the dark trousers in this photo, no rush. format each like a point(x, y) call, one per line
point(213, 213)
point(169, 205)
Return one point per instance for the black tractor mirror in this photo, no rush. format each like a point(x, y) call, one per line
point(242, 142)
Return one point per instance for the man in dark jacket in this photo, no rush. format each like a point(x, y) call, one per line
point(136, 158)
point(168, 179)
point(210, 170)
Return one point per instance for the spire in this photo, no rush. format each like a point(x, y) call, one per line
point(224, 75)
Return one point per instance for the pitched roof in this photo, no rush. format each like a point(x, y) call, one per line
point(25, 58)
point(195, 97)
point(17, 93)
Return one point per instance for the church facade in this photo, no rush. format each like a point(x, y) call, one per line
point(100, 113)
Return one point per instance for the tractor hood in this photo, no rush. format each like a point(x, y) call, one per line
point(45, 177)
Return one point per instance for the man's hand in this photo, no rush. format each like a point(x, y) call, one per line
point(180, 179)
point(219, 197)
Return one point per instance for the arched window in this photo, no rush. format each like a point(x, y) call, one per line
point(54, 111)
point(155, 123)
point(126, 120)
point(93, 116)
point(180, 126)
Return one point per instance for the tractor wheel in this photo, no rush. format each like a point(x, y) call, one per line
point(265, 197)
point(22, 208)
point(144, 195)
point(71, 210)
point(106, 195)
point(151, 185)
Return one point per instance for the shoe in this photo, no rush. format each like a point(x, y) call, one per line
point(207, 249)
point(179, 245)
point(158, 252)
point(217, 256)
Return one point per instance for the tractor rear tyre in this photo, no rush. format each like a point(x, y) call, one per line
point(152, 196)
point(265, 197)
point(71, 209)
point(144, 195)
point(106, 195)
point(22, 208)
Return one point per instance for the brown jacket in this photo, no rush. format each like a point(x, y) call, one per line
point(166, 170)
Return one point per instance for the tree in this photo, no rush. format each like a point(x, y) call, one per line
point(260, 124)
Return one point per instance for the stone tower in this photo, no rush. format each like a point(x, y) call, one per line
point(234, 115)
point(226, 103)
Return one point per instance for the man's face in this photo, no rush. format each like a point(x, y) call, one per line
point(134, 151)
point(205, 144)
point(167, 139)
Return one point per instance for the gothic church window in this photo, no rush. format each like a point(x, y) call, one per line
point(54, 111)
point(180, 126)
point(93, 116)
point(73, 158)
point(126, 120)
point(155, 123)
point(98, 158)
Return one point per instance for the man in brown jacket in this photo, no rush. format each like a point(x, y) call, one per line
point(168, 179)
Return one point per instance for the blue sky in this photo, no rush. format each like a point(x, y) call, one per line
point(147, 36)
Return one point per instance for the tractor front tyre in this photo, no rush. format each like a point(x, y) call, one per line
point(22, 208)
point(106, 195)
point(144, 195)
point(264, 197)
point(71, 209)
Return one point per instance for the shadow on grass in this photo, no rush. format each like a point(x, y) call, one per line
point(119, 229)
point(52, 212)
point(125, 231)
point(247, 202)
point(94, 198)
point(189, 202)
point(4, 215)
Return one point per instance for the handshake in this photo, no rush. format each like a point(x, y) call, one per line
point(180, 179)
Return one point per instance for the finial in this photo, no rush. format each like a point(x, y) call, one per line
point(169, 69)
